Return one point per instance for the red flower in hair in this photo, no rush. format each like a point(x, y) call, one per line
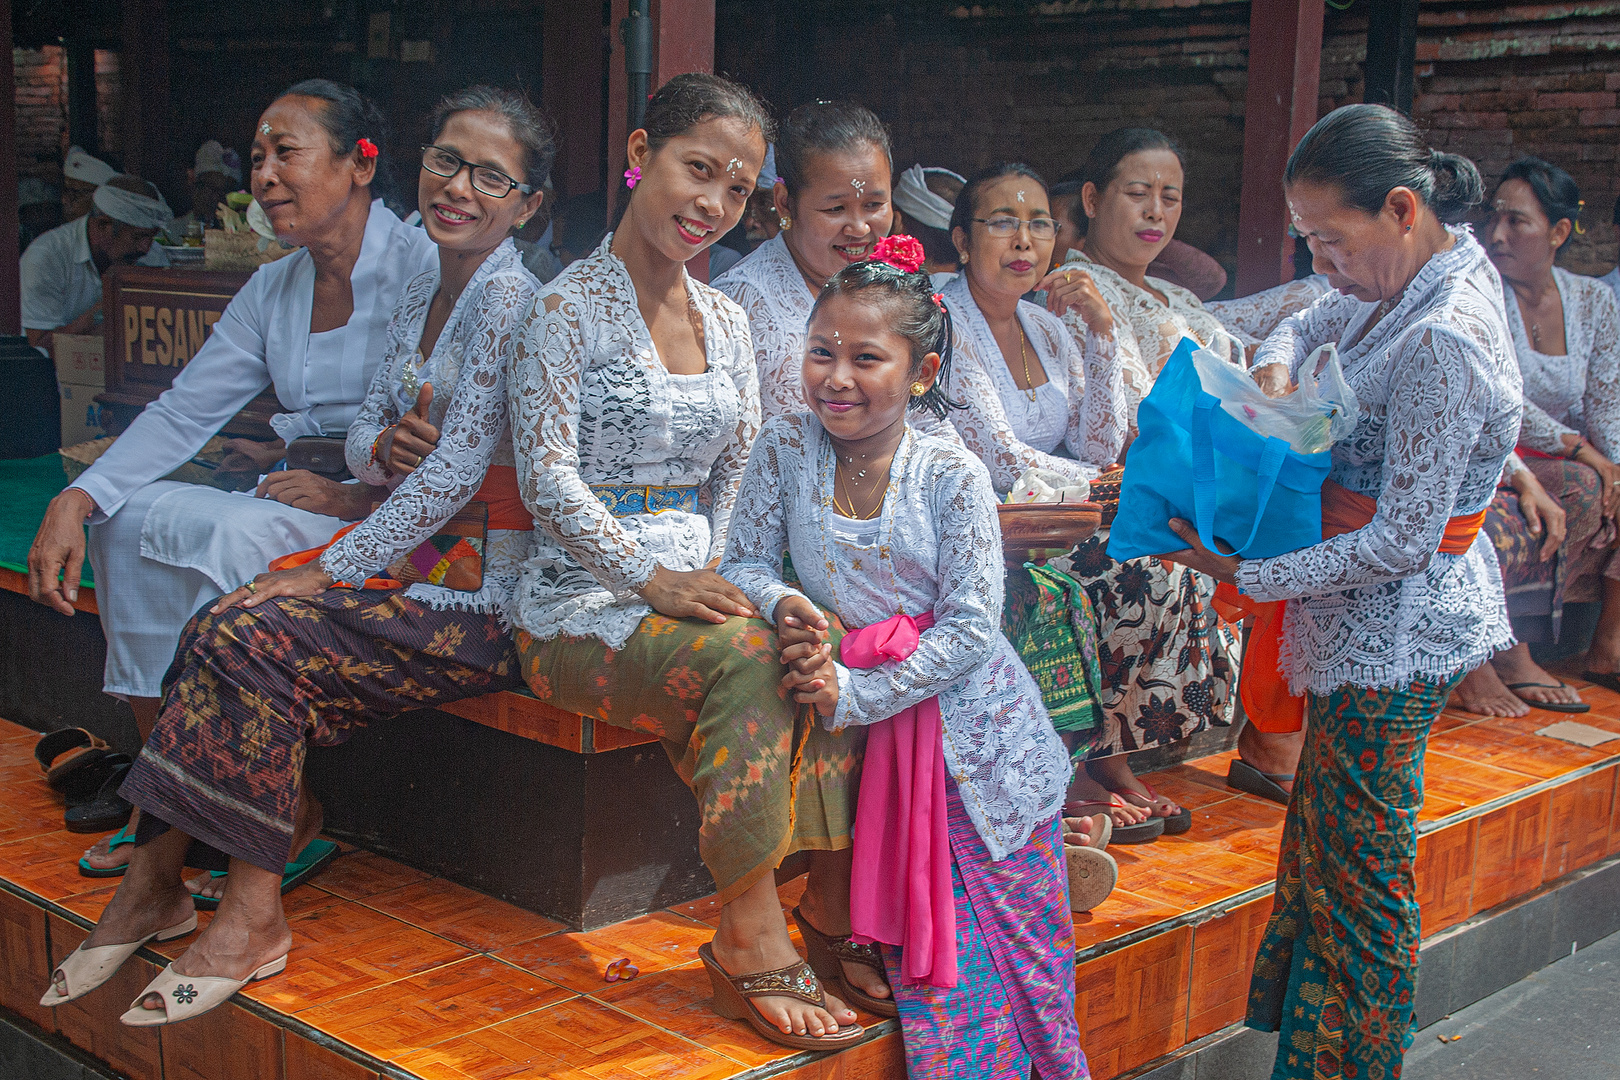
point(368, 149)
point(902, 251)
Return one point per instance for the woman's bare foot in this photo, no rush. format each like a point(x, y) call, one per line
point(1084, 789)
point(832, 919)
point(1084, 831)
point(99, 855)
point(311, 816)
point(249, 931)
point(1514, 667)
point(1273, 753)
point(753, 937)
point(1483, 693)
point(1114, 773)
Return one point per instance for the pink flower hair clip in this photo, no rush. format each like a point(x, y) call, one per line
point(632, 176)
point(901, 252)
point(368, 149)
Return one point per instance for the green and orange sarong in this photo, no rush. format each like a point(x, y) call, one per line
point(1338, 965)
point(769, 779)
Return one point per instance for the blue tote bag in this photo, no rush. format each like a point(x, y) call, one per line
point(1193, 460)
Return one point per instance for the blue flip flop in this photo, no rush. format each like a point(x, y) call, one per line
point(123, 836)
point(311, 861)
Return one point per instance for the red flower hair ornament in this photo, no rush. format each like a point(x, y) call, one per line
point(367, 148)
point(902, 252)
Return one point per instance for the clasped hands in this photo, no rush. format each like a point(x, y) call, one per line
point(812, 677)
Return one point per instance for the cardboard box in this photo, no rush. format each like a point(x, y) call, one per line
point(81, 416)
point(80, 359)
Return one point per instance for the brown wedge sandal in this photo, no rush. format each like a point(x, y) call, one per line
point(828, 955)
point(732, 993)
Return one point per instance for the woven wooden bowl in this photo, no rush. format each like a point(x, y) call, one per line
point(1038, 531)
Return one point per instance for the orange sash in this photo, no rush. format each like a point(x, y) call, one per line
point(1261, 686)
point(506, 511)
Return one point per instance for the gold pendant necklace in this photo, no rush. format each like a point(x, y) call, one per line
point(1023, 355)
point(850, 511)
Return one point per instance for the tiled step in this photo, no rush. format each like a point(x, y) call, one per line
point(396, 973)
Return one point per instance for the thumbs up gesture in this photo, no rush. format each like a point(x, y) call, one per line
point(413, 438)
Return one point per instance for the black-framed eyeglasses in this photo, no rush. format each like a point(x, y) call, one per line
point(1039, 228)
point(492, 182)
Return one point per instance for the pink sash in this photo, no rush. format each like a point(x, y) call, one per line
point(900, 891)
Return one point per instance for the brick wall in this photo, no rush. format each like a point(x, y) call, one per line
point(41, 99)
point(1042, 81)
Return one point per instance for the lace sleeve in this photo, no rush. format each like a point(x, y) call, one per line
point(473, 424)
point(1252, 318)
point(727, 473)
point(377, 411)
point(753, 559)
point(1435, 419)
point(776, 369)
point(1297, 335)
point(1602, 398)
point(986, 431)
point(544, 393)
point(1097, 417)
point(1541, 432)
point(967, 614)
point(1123, 345)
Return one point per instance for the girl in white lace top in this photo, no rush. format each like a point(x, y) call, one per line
point(832, 199)
point(896, 532)
point(312, 661)
point(1028, 387)
point(1566, 335)
point(634, 404)
point(1381, 619)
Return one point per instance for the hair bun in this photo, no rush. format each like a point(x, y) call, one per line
point(1458, 187)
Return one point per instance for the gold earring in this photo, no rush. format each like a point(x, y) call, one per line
point(918, 389)
point(784, 223)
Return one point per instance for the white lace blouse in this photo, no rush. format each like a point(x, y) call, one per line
point(1439, 394)
point(592, 403)
point(1146, 331)
point(468, 371)
point(938, 549)
point(1252, 318)
point(1576, 394)
point(768, 287)
point(1081, 405)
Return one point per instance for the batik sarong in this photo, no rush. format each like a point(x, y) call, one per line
point(251, 688)
point(1537, 591)
point(1338, 964)
point(1168, 662)
point(1050, 621)
point(1013, 1005)
point(768, 778)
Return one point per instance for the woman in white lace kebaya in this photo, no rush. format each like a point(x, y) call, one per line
point(1384, 617)
point(895, 531)
point(832, 200)
point(292, 658)
point(1167, 661)
point(634, 404)
point(1566, 334)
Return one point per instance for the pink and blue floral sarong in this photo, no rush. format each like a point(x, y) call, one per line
point(1013, 1005)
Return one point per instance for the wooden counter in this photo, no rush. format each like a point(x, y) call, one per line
point(156, 318)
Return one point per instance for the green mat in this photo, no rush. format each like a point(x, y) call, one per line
point(27, 485)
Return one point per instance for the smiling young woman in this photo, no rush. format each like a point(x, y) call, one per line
point(832, 202)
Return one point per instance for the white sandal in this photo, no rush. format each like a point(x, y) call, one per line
point(85, 969)
point(1092, 876)
point(188, 996)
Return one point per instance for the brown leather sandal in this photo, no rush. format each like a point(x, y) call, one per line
point(828, 955)
point(732, 994)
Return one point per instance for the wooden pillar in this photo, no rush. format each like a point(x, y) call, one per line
point(144, 60)
point(574, 65)
point(1285, 65)
point(1390, 74)
point(10, 280)
point(683, 40)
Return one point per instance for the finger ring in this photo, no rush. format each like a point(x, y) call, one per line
point(418, 460)
point(251, 587)
point(1066, 279)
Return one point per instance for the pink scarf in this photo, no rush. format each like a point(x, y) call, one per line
point(900, 891)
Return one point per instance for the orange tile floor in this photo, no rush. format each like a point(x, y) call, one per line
point(396, 973)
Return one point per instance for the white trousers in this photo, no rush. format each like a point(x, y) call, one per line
point(171, 548)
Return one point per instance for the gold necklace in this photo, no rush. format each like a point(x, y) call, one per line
point(849, 511)
point(1023, 355)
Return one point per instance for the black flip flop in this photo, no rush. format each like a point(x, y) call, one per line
point(1246, 778)
point(106, 811)
point(1143, 832)
point(1548, 706)
point(83, 785)
point(63, 753)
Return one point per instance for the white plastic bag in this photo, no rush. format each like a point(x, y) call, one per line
point(1321, 411)
point(1046, 486)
